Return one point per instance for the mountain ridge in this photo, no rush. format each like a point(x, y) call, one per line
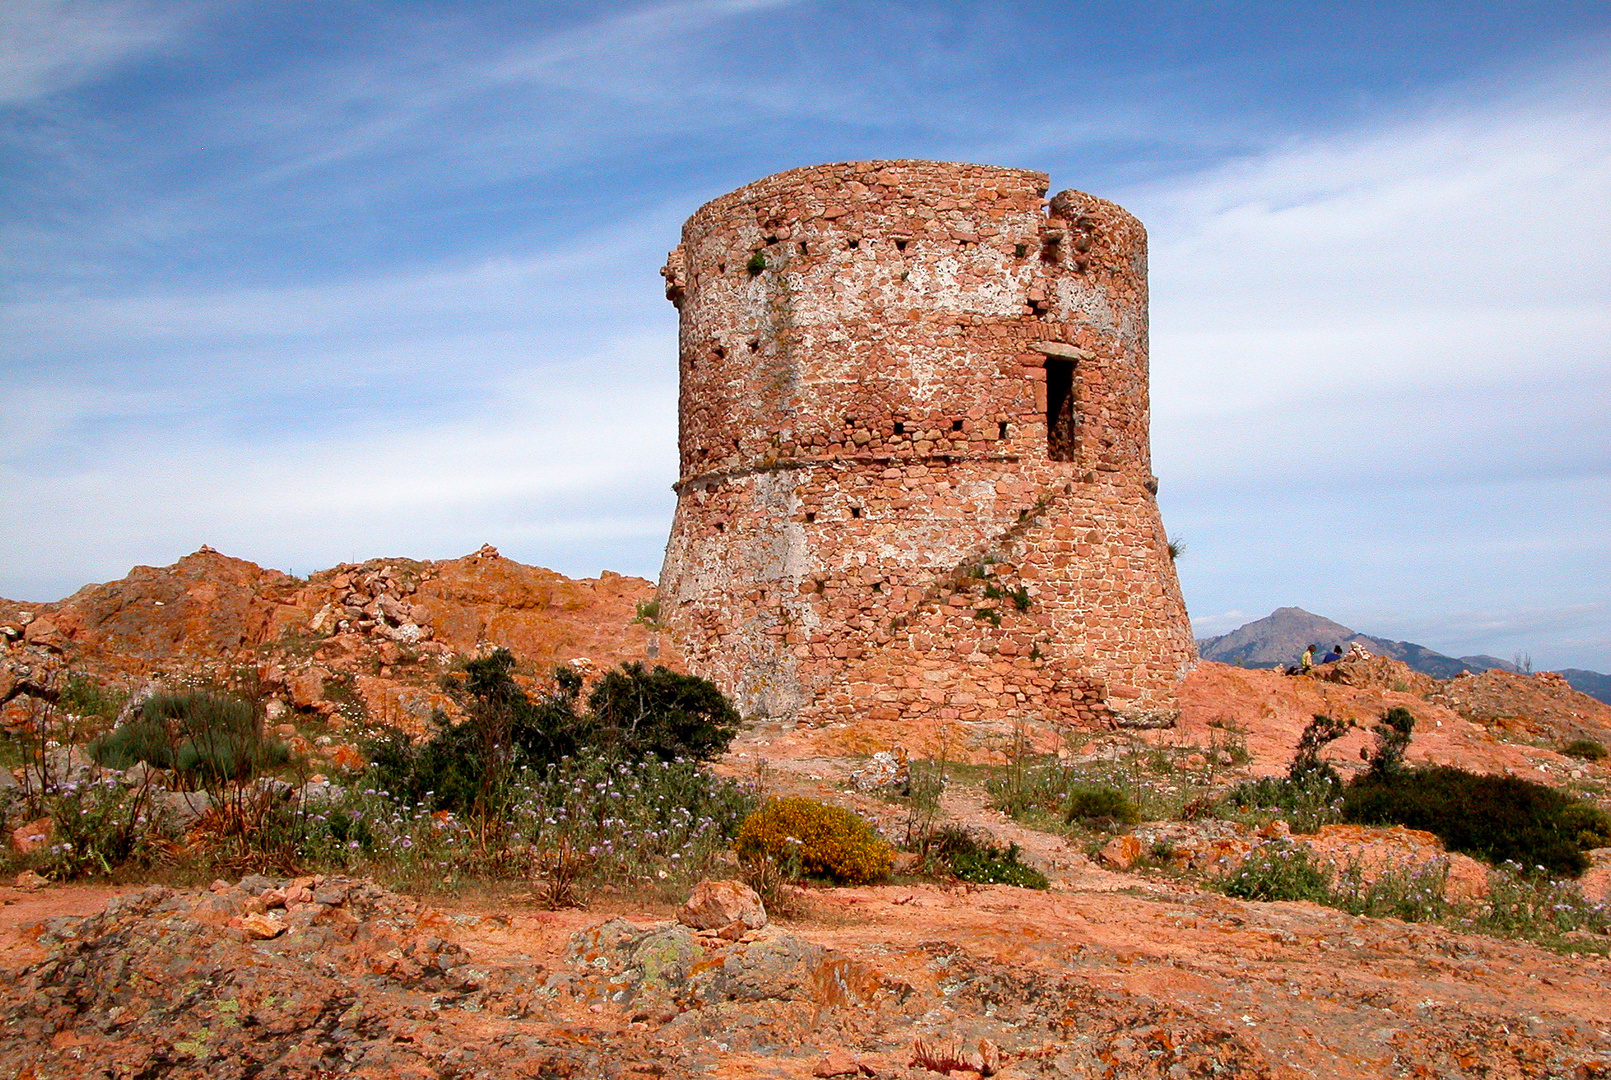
point(1281, 636)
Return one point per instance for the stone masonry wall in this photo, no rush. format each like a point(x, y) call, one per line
point(915, 474)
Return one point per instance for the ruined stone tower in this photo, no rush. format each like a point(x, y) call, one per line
point(915, 473)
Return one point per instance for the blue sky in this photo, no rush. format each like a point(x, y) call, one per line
point(313, 282)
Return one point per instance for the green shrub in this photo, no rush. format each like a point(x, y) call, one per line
point(1279, 870)
point(806, 837)
point(1099, 806)
point(229, 756)
point(636, 714)
point(141, 739)
point(1392, 741)
point(959, 852)
point(1311, 786)
point(757, 264)
point(207, 736)
point(1307, 766)
point(467, 767)
point(1310, 793)
point(1587, 749)
point(1495, 818)
point(633, 714)
point(1313, 800)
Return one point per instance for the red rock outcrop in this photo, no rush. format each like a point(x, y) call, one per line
point(1542, 705)
point(375, 633)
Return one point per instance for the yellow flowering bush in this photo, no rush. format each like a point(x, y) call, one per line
point(811, 838)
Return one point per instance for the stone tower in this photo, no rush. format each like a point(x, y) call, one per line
point(915, 472)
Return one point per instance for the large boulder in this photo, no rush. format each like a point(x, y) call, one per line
point(720, 905)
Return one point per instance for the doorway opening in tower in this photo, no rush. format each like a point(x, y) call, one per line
point(1061, 421)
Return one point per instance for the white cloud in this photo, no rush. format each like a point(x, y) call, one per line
point(526, 401)
point(1381, 367)
point(1474, 248)
point(50, 45)
point(556, 462)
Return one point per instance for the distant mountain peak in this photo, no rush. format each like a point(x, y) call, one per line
point(1281, 636)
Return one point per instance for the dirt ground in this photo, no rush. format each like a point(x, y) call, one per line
point(1106, 974)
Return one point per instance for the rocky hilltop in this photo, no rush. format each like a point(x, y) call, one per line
point(1134, 962)
point(371, 637)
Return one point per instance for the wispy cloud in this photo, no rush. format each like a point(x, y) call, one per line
point(1459, 261)
point(570, 466)
point(1460, 249)
point(50, 45)
point(1381, 363)
point(394, 289)
point(526, 401)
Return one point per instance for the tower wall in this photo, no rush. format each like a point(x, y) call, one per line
point(882, 508)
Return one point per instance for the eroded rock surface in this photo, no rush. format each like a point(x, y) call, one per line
point(365, 641)
point(891, 982)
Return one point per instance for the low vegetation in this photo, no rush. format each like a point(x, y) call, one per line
point(1519, 903)
point(1124, 782)
point(1498, 819)
point(1584, 749)
point(953, 851)
point(805, 838)
point(547, 789)
point(1098, 806)
point(471, 767)
point(1535, 837)
point(201, 735)
point(1495, 818)
point(566, 790)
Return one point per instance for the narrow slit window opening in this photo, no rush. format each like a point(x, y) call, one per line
point(1061, 422)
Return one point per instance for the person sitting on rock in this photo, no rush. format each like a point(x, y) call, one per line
point(1334, 655)
point(1307, 663)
